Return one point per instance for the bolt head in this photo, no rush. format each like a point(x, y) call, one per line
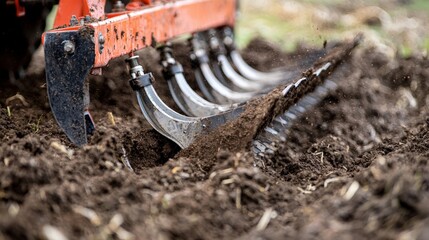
point(69, 46)
point(74, 21)
point(101, 39)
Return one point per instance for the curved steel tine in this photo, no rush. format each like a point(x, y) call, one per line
point(205, 89)
point(208, 91)
point(196, 105)
point(148, 115)
point(208, 79)
point(219, 54)
point(221, 77)
point(247, 71)
point(233, 96)
point(219, 90)
point(254, 74)
point(184, 96)
point(237, 79)
point(178, 98)
point(181, 129)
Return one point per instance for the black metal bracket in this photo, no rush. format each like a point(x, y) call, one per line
point(170, 66)
point(227, 36)
point(69, 57)
point(142, 81)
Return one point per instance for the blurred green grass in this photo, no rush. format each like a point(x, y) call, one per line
point(268, 22)
point(277, 29)
point(420, 5)
point(267, 19)
point(51, 18)
point(415, 5)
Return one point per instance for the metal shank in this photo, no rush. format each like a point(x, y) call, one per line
point(218, 55)
point(190, 102)
point(184, 130)
point(66, 71)
point(243, 68)
point(207, 80)
point(179, 128)
point(184, 96)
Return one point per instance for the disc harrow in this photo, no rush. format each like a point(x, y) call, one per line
point(86, 41)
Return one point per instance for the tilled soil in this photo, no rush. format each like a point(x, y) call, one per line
point(356, 166)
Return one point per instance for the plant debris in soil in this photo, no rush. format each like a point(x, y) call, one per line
point(356, 166)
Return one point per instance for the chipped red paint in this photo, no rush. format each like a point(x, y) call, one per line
point(126, 32)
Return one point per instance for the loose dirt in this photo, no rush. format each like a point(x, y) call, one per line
point(354, 167)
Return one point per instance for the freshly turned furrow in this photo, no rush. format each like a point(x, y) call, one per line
point(267, 142)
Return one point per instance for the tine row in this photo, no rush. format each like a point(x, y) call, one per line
point(226, 83)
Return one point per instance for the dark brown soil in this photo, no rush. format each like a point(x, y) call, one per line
point(354, 167)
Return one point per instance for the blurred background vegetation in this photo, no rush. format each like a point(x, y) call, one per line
point(401, 25)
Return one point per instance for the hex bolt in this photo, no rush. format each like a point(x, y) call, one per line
point(68, 46)
point(136, 69)
point(133, 61)
point(101, 38)
point(118, 6)
point(87, 19)
point(101, 42)
point(74, 21)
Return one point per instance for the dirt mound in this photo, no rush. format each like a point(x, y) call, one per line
point(355, 166)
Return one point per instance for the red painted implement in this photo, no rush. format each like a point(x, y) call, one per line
point(86, 37)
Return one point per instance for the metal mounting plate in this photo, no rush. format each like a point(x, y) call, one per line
point(66, 72)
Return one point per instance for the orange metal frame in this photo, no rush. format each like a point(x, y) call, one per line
point(78, 8)
point(150, 22)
